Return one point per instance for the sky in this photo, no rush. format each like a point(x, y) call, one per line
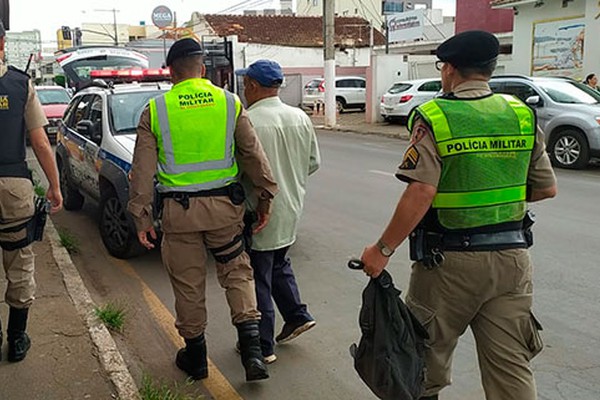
point(49, 15)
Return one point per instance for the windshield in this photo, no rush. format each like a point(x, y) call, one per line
point(79, 70)
point(53, 96)
point(126, 109)
point(314, 84)
point(399, 88)
point(569, 92)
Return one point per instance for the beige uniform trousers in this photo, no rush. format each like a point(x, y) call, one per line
point(492, 293)
point(16, 207)
point(209, 223)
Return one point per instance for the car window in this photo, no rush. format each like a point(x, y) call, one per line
point(79, 111)
point(69, 112)
point(95, 113)
point(433, 86)
point(359, 83)
point(344, 83)
point(126, 109)
point(520, 90)
point(496, 86)
point(569, 92)
point(314, 84)
point(53, 96)
point(399, 88)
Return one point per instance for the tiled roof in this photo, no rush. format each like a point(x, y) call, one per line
point(284, 30)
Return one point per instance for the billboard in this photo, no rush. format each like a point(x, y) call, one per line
point(558, 48)
point(405, 26)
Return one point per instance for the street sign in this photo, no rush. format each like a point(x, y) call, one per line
point(162, 16)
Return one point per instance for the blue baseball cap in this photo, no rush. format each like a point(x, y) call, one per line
point(266, 72)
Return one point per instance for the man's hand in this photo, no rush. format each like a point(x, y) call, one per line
point(143, 237)
point(373, 260)
point(55, 198)
point(263, 220)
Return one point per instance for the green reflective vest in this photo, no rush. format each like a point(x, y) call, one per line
point(485, 145)
point(194, 125)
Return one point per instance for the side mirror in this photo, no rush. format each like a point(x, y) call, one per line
point(534, 101)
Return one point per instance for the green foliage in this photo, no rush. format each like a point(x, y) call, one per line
point(112, 315)
point(151, 390)
point(68, 241)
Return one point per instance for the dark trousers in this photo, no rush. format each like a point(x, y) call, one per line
point(274, 280)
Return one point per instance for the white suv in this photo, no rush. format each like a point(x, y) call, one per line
point(350, 92)
point(94, 153)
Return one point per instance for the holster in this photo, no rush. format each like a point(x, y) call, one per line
point(250, 218)
point(426, 247)
point(528, 222)
point(34, 227)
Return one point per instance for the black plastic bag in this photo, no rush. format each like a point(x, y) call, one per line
point(390, 355)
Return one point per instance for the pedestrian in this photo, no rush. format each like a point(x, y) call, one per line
point(592, 81)
point(474, 162)
point(198, 137)
point(20, 112)
point(288, 137)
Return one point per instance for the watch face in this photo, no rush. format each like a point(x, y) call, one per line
point(385, 251)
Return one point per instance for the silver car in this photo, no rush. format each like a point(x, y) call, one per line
point(567, 111)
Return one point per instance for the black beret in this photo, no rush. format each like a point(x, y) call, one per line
point(183, 48)
point(469, 49)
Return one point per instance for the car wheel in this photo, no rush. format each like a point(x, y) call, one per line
point(117, 230)
point(569, 149)
point(340, 104)
point(72, 199)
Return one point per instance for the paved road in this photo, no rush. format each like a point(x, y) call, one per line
point(349, 201)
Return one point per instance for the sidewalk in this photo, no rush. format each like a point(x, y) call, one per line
point(353, 121)
point(70, 356)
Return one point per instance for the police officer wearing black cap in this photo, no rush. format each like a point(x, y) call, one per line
point(474, 161)
point(197, 139)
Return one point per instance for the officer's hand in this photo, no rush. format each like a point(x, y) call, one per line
point(263, 220)
point(373, 260)
point(55, 198)
point(143, 237)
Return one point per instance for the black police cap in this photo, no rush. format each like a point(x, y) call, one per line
point(469, 49)
point(183, 48)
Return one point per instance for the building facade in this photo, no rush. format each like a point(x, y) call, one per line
point(554, 37)
point(478, 14)
point(20, 45)
point(371, 10)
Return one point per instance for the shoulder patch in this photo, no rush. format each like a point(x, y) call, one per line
point(411, 158)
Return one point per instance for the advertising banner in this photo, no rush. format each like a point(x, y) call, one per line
point(405, 26)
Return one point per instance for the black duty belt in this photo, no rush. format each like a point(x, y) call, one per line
point(484, 241)
point(234, 191)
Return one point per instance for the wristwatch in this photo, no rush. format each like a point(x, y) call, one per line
point(384, 249)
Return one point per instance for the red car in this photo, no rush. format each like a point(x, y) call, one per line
point(54, 101)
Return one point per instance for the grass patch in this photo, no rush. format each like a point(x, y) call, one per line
point(151, 390)
point(68, 241)
point(112, 315)
point(39, 190)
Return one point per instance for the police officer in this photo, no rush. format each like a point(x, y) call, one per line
point(200, 138)
point(20, 111)
point(475, 159)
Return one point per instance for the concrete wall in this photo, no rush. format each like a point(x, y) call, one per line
point(527, 15)
point(384, 71)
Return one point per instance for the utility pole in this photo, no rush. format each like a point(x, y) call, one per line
point(114, 12)
point(329, 58)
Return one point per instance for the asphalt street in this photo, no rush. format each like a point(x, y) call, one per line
point(349, 201)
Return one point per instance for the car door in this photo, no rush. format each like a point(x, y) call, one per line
point(361, 91)
point(342, 89)
point(91, 149)
point(523, 91)
point(74, 141)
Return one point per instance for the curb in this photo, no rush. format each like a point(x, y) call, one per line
point(340, 128)
point(110, 358)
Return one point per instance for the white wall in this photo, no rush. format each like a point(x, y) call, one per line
point(523, 32)
point(385, 70)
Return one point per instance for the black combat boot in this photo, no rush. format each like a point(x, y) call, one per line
point(18, 341)
point(434, 397)
point(252, 358)
point(192, 358)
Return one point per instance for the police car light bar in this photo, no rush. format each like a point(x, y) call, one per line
point(151, 74)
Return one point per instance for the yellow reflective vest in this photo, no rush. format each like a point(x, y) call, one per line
point(194, 124)
point(485, 145)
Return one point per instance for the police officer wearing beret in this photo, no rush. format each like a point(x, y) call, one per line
point(474, 162)
point(197, 139)
point(20, 113)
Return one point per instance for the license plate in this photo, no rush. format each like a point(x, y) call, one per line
point(52, 129)
point(388, 108)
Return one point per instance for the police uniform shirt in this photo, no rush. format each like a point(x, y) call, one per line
point(422, 162)
point(34, 114)
point(250, 156)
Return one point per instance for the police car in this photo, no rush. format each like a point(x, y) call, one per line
point(95, 149)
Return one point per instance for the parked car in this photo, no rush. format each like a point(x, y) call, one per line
point(405, 96)
point(54, 101)
point(567, 111)
point(350, 92)
point(94, 154)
